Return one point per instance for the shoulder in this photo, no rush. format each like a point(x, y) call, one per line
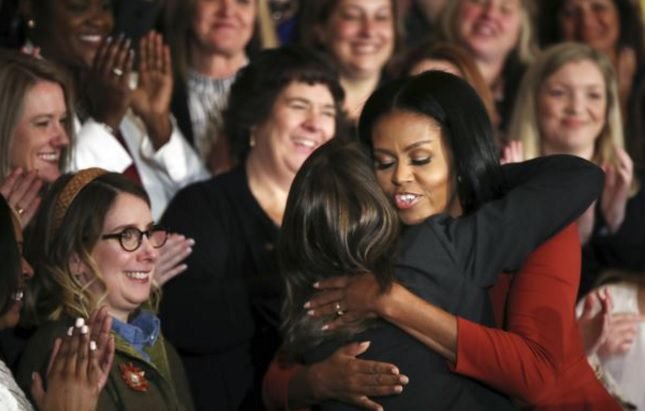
point(212, 199)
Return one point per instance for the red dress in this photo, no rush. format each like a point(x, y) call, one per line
point(538, 358)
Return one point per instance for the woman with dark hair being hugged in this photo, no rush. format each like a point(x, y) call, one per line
point(282, 106)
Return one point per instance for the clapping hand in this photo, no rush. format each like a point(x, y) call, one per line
point(171, 257)
point(21, 190)
point(615, 194)
point(108, 83)
point(151, 99)
point(79, 367)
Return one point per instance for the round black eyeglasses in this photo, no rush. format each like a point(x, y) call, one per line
point(131, 238)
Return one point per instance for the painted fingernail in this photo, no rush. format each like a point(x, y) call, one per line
point(92, 345)
point(85, 329)
point(307, 304)
point(108, 40)
point(398, 388)
point(316, 285)
point(191, 242)
point(404, 380)
point(79, 322)
point(128, 41)
point(70, 331)
point(121, 36)
point(311, 313)
point(324, 327)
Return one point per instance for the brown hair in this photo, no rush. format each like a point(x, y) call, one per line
point(18, 74)
point(55, 290)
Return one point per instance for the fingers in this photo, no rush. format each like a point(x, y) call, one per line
point(53, 356)
point(153, 55)
point(324, 303)
point(513, 152)
point(590, 302)
point(21, 190)
point(176, 249)
point(364, 402)
point(102, 356)
point(7, 185)
point(353, 349)
point(37, 390)
point(83, 359)
point(100, 326)
point(334, 282)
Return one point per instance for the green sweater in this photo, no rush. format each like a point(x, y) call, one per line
point(167, 388)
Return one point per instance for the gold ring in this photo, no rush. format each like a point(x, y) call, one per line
point(117, 72)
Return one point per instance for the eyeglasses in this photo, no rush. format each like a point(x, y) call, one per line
point(131, 238)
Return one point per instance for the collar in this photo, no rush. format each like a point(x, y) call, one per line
point(141, 332)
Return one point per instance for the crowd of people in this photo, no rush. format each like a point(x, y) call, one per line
point(325, 205)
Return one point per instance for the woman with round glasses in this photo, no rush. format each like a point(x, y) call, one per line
point(94, 243)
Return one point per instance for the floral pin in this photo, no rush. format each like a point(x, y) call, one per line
point(134, 377)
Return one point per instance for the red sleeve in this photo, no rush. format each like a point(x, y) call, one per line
point(275, 384)
point(524, 360)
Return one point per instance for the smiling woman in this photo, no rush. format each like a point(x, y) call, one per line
point(283, 105)
point(93, 243)
point(360, 36)
point(35, 128)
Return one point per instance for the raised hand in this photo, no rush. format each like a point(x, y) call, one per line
point(21, 190)
point(108, 83)
point(151, 99)
point(615, 194)
point(171, 256)
point(621, 334)
point(513, 152)
point(593, 323)
point(79, 367)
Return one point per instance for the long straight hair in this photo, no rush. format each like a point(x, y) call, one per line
point(337, 222)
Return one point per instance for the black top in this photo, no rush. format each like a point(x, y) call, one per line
point(222, 314)
point(623, 250)
point(452, 263)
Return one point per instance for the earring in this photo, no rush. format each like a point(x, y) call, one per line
point(31, 23)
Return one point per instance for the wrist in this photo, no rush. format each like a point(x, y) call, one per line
point(109, 123)
point(159, 129)
point(385, 305)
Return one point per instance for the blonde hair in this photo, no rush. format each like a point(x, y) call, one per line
point(524, 123)
point(526, 47)
point(178, 20)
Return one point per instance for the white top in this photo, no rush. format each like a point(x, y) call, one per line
point(163, 172)
point(11, 396)
point(207, 97)
point(628, 370)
